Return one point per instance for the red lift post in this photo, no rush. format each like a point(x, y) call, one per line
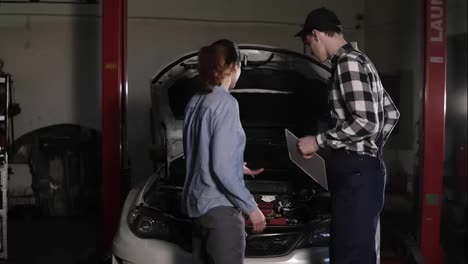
point(114, 94)
point(434, 70)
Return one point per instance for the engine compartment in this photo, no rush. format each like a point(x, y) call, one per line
point(284, 193)
point(278, 210)
point(290, 206)
point(294, 210)
point(282, 202)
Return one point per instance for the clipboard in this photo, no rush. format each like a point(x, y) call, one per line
point(313, 167)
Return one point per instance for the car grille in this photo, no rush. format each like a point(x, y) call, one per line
point(270, 245)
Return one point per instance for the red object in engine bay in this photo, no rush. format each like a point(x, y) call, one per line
point(272, 218)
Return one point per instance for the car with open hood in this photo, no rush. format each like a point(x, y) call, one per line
point(278, 89)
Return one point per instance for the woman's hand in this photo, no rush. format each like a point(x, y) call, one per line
point(250, 172)
point(258, 221)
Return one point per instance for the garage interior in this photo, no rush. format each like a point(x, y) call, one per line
point(77, 124)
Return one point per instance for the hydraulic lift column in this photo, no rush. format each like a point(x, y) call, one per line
point(114, 97)
point(434, 85)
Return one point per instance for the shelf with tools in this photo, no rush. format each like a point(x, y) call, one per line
point(4, 104)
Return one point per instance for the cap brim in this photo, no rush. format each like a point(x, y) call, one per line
point(300, 33)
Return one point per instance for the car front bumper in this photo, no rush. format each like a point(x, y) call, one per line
point(130, 249)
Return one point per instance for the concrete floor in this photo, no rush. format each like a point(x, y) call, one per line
point(52, 240)
point(73, 240)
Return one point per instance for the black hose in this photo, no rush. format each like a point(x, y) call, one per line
point(252, 64)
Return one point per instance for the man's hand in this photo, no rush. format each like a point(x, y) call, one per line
point(258, 221)
point(307, 146)
point(250, 172)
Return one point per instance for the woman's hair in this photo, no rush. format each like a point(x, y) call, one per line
point(215, 62)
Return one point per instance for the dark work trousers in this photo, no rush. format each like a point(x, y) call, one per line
point(219, 237)
point(357, 184)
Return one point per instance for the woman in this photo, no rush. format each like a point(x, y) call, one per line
point(214, 192)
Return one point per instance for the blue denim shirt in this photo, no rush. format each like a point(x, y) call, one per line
point(214, 143)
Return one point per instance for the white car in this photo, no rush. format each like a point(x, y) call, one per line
point(278, 89)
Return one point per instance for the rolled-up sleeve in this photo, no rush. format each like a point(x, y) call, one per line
point(227, 150)
point(391, 116)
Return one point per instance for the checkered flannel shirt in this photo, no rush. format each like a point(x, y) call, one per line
point(361, 109)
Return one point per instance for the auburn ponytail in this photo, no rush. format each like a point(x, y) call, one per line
point(215, 62)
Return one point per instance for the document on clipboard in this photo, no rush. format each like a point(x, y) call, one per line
point(313, 167)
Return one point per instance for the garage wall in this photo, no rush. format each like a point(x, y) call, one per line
point(456, 110)
point(393, 41)
point(393, 37)
point(53, 52)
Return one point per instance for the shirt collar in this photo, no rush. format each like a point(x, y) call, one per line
point(219, 87)
point(343, 49)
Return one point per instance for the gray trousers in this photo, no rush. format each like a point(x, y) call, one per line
point(218, 237)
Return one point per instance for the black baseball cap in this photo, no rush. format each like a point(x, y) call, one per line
point(320, 19)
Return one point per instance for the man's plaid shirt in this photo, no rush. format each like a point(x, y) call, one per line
point(361, 109)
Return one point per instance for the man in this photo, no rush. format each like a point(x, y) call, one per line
point(362, 118)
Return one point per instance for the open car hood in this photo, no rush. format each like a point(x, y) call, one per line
point(169, 96)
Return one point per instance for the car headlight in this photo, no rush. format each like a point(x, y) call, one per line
point(148, 223)
point(318, 234)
